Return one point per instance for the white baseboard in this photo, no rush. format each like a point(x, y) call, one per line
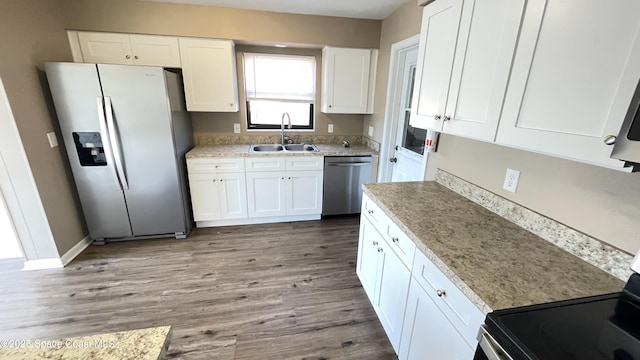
point(75, 250)
point(258, 220)
point(42, 264)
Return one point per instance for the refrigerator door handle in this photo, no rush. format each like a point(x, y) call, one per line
point(115, 142)
point(104, 133)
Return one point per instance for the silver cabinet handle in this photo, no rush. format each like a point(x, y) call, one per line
point(393, 160)
point(127, 57)
point(610, 140)
point(375, 243)
point(115, 142)
point(447, 118)
point(437, 117)
point(370, 211)
point(380, 249)
point(441, 293)
point(491, 349)
point(106, 144)
point(136, 57)
point(395, 239)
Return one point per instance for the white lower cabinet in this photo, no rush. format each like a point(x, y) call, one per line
point(218, 190)
point(385, 279)
point(427, 334)
point(423, 314)
point(281, 186)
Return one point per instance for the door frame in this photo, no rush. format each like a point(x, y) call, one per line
point(392, 106)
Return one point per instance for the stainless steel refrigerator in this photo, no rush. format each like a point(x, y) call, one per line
point(126, 131)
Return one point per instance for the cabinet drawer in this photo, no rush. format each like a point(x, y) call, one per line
point(265, 164)
point(404, 247)
point(462, 313)
point(305, 162)
point(372, 211)
point(215, 165)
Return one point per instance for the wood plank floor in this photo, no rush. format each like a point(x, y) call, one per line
point(275, 291)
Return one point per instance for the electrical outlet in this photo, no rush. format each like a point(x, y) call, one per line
point(53, 140)
point(330, 129)
point(511, 180)
point(236, 128)
point(370, 130)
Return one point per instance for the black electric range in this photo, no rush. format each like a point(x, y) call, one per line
point(604, 327)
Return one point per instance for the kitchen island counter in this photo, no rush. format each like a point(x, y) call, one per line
point(494, 262)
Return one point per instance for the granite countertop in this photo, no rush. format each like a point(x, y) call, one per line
point(494, 262)
point(141, 344)
point(243, 151)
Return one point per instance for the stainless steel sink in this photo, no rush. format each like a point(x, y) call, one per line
point(300, 147)
point(266, 148)
point(278, 147)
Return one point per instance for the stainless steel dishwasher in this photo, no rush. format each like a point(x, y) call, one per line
point(343, 179)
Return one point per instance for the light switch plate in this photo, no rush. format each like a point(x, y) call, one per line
point(53, 140)
point(236, 128)
point(370, 130)
point(330, 129)
point(511, 180)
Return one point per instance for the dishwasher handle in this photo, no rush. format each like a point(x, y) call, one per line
point(349, 164)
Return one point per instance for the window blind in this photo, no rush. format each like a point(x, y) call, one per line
point(279, 77)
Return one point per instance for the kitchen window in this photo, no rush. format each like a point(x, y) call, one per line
point(275, 84)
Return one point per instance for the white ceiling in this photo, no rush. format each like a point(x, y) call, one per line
point(363, 9)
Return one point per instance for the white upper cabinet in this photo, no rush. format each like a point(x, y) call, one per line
point(348, 80)
point(466, 49)
point(105, 48)
point(574, 73)
point(125, 49)
point(209, 74)
point(154, 50)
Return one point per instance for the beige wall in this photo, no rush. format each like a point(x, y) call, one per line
point(222, 123)
point(600, 202)
point(403, 23)
point(31, 32)
point(190, 20)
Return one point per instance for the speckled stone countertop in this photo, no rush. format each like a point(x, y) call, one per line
point(243, 151)
point(494, 262)
point(141, 344)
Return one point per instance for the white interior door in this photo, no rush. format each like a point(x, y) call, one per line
point(408, 157)
point(9, 246)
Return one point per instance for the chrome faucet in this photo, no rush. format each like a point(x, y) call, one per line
point(285, 138)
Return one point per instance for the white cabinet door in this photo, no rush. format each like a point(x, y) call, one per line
point(204, 196)
point(266, 194)
point(391, 293)
point(304, 192)
point(233, 196)
point(484, 51)
point(369, 242)
point(345, 80)
point(105, 48)
point(440, 22)
point(574, 73)
point(209, 74)
point(154, 50)
point(427, 334)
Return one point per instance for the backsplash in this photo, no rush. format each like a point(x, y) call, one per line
point(276, 139)
point(589, 249)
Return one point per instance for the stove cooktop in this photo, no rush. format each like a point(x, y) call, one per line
point(604, 327)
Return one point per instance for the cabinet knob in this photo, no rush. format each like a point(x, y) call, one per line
point(370, 211)
point(282, 178)
point(395, 239)
point(610, 140)
point(289, 178)
point(136, 57)
point(375, 243)
point(437, 117)
point(231, 104)
point(441, 293)
point(127, 57)
point(380, 249)
point(393, 160)
point(447, 118)
point(330, 106)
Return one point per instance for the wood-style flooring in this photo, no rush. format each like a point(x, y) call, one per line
point(275, 291)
